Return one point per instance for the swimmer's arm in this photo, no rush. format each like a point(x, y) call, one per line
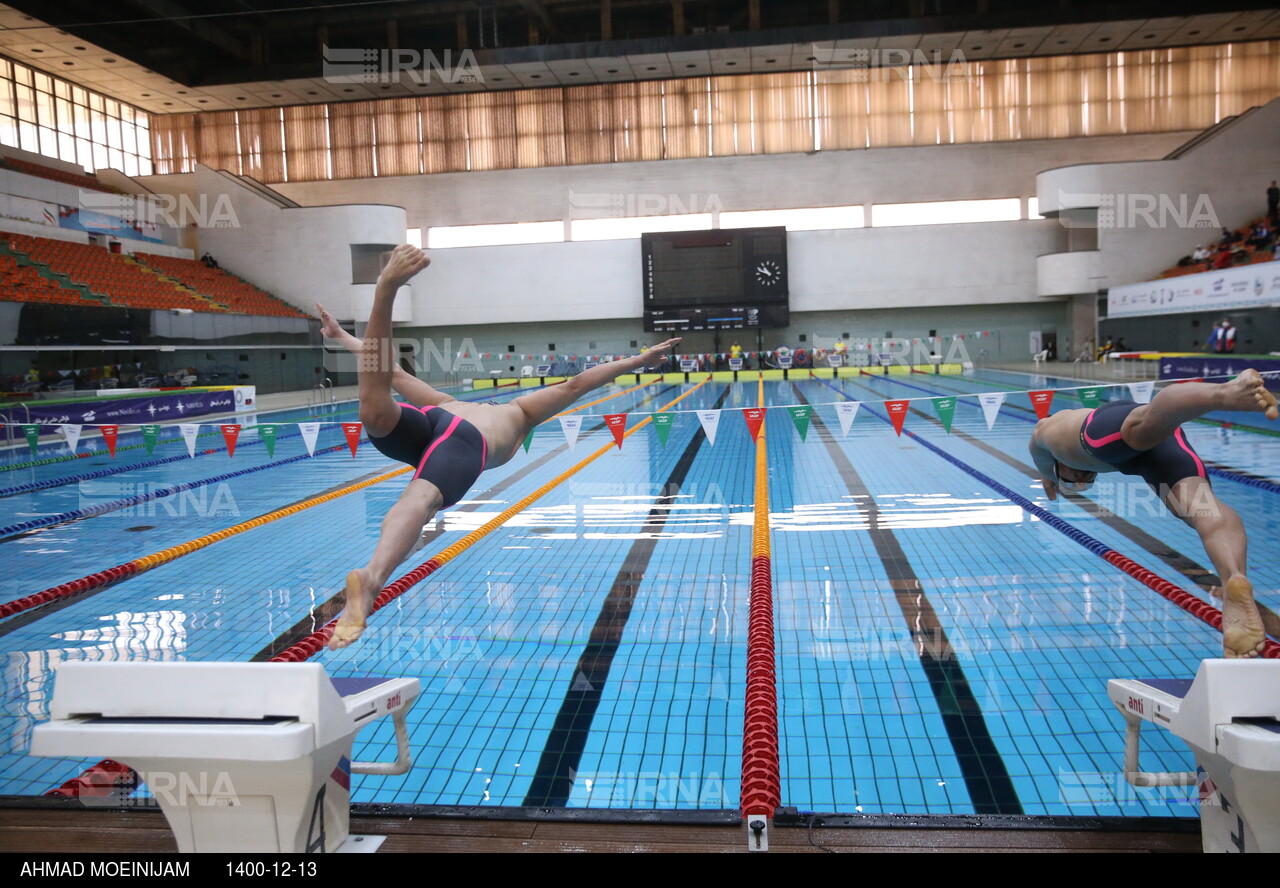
point(406, 385)
point(1044, 460)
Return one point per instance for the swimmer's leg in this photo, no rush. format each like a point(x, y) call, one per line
point(377, 359)
point(401, 531)
point(1222, 533)
point(1148, 425)
point(545, 403)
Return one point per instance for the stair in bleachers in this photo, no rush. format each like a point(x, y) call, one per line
point(210, 304)
point(217, 284)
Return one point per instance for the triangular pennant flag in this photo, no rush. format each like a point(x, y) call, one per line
point(617, 423)
point(528, 439)
point(755, 419)
point(1091, 397)
point(991, 402)
point(571, 425)
point(190, 430)
point(310, 431)
point(267, 432)
point(33, 437)
point(897, 414)
point(109, 434)
point(150, 435)
point(662, 425)
point(352, 431)
point(946, 410)
point(72, 434)
point(1041, 401)
point(800, 416)
point(1141, 391)
point(710, 421)
point(847, 411)
point(230, 434)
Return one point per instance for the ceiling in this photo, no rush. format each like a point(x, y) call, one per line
point(175, 56)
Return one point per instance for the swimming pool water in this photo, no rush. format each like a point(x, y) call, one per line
point(939, 649)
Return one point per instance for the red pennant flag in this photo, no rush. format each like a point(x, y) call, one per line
point(755, 417)
point(617, 423)
point(352, 431)
point(109, 434)
point(897, 414)
point(230, 434)
point(1041, 401)
point(1192, 379)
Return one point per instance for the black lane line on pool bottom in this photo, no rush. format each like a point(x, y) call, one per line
point(985, 777)
point(329, 609)
point(1182, 563)
point(558, 765)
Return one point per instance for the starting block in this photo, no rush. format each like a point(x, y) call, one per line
point(241, 757)
point(1230, 717)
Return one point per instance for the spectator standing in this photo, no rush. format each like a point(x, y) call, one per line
point(1223, 338)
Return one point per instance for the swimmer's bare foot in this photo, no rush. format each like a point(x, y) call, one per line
point(351, 622)
point(1242, 631)
point(1248, 391)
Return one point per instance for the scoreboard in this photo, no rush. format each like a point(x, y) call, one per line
point(724, 279)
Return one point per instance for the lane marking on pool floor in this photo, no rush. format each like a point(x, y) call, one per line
point(1192, 604)
point(329, 609)
point(317, 640)
point(1152, 545)
point(556, 771)
point(989, 785)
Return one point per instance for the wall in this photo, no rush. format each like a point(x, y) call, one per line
point(300, 255)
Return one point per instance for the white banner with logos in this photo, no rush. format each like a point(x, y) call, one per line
point(1239, 287)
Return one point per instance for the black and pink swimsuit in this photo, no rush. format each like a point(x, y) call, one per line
point(447, 450)
point(1163, 465)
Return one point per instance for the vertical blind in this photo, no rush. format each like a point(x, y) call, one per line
point(957, 102)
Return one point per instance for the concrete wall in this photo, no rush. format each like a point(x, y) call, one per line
point(299, 254)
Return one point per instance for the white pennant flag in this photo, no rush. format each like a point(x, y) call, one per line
point(310, 431)
point(571, 425)
point(71, 433)
point(710, 420)
point(1141, 391)
point(847, 410)
point(189, 432)
point(991, 402)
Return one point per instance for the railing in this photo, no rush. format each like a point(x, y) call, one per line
point(8, 426)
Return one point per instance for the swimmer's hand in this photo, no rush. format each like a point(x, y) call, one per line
point(329, 328)
point(405, 262)
point(652, 357)
point(1050, 489)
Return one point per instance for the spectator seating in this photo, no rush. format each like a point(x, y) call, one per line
point(1251, 254)
point(22, 283)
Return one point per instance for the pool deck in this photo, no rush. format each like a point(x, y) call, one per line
point(43, 830)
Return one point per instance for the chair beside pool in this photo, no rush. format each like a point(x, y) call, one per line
point(241, 757)
point(1230, 717)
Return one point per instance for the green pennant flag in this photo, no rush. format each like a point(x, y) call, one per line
point(150, 435)
point(33, 437)
point(662, 424)
point(800, 416)
point(1091, 397)
point(946, 409)
point(528, 439)
point(267, 432)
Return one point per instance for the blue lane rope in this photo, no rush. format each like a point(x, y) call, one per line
point(101, 508)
